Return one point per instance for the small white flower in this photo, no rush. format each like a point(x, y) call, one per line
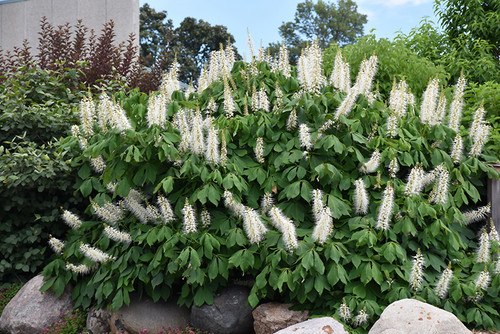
point(266, 203)
point(108, 212)
point(292, 120)
point(229, 202)
point(457, 149)
point(457, 104)
point(372, 164)
point(117, 235)
point(361, 318)
point(137, 209)
point(259, 150)
point(483, 253)
point(253, 225)
point(493, 232)
point(197, 142)
point(392, 125)
point(317, 207)
point(81, 269)
point(98, 164)
point(443, 181)
point(305, 137)
point(361, 201)
point(429, 102)
point(324, 226)
point(166, 212)
point(345, 311)
point(477, 215)
point(71, 220)
point(229, 107)
point(443, 285)
point(223, 151)
point(414, 185)
point(417, 271)
point(483, 281)
point(385, 210)
point(56, 245)
point(393, 167)
point(285, 226)
point(212, 148)
point(95, 254)
point(87, 116)
point(479, 139)
point(157, 110)
point(189, 218)
point(205, 218)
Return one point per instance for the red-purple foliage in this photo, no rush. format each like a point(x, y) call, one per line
point(96, 60)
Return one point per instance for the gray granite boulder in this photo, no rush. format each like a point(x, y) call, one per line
point(98, 321)
point(271, 317)
point(229, 314)
point(30, 311)
point(325, 325)
point(411, 316)
point(146, 314)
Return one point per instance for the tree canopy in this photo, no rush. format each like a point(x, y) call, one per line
point(155, 32)
point(327, 22)
point(191, 42)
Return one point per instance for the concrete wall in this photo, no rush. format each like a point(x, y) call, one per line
point(20, 20)
point(494, 198)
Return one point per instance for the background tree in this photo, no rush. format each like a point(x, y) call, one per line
point(193, 41)
point(479, 20)
point(468, 39)
point(155, 33)
point(327, 22)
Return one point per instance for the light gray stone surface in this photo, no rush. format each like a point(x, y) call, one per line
point(146, 314)
point(98, 321)
point(229, 314)
point(411, 316)
point(30, 311)
point(325, 325)
point(271, 317)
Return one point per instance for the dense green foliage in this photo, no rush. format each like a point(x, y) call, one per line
point(396, 60)
point(35, 177)
point(7, 293)
point(359, 262)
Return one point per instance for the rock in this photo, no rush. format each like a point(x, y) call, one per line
point(30, 311)
point(411, 316)
point(271, 317)
point(325, 325)
point(229, 314)
point(98, 321)
point(145, 314)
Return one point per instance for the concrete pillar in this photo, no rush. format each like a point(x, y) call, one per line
point(494, 198)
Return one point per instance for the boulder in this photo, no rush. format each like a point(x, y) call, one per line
point(325, 325)
point(30, 311)
point(145, 314)
point(271, 317)
point(411, 316)
point(98, 321)
point(229, 314)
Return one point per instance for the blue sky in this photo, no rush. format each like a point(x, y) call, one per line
point(263, 17)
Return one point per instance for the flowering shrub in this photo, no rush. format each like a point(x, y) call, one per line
point(311, 189)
